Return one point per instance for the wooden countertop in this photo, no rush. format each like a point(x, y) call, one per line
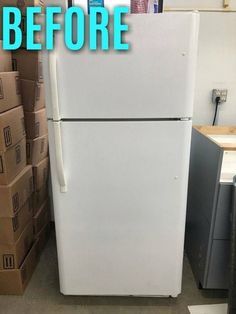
point(223, 136)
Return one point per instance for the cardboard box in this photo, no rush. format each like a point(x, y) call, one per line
point(23, 4)
point(14, 282)
point(10, 95)
point(38, 198)
point(12, 128)
point(5, 60)
point(36, 124)
point(40, 174)
point(15, 195)
point(42, 217)
point(11, 228)
point(12, 255)
point(1, 20)
point(36, 150)
point(43, 237)
point(29, 64)
point(12, 162)
point(33, 95)
point(38, 37)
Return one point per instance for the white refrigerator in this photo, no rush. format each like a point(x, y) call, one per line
point(120, 131)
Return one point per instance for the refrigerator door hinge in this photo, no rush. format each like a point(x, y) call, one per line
point(185, 119)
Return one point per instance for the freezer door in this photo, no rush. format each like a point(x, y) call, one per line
point(154, 79)
point(120, 225)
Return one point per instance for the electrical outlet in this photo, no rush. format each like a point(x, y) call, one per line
point(222, 93)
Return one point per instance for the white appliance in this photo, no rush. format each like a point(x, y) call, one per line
point(120, 130)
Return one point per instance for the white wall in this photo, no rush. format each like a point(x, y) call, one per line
point(199, 4)
point(216, 67)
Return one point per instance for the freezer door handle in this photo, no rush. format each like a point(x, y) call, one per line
point(59, 157)
point(54, 87)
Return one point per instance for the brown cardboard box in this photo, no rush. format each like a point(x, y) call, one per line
point(1, 20)
point(43, 237)
point(12, 162)
point(5, 60)
point(12, 127)
point(15, 195)
point(10, 96)
point(36, 124)
point(42, 217)
point(12, 255)
point(38, 198)
point(14, 282)
point(11, 228)
point(40, 174)
point(33, 95)
point(23, 4)
point(29, 64)
point(36, 150)
point(38, 38)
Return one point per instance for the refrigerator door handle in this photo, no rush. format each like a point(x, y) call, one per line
point(59, 157)
point(54, 87)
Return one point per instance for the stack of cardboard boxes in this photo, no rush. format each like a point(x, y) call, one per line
point(29, 66)
point(24, 164)
point(18, 248)
point(22, 5)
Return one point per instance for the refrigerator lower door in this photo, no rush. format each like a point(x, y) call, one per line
point(120, 225)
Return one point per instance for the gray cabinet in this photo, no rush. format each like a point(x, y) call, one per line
point(222, 220)
point(212, 167)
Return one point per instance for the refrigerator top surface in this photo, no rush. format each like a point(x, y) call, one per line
point(154, 79)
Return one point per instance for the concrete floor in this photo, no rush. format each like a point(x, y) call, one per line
point(43, 297)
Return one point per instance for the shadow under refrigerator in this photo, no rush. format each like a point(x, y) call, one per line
point(120, 132)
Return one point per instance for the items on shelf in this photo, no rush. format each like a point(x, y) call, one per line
point(139, 6)
point(146, 6)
